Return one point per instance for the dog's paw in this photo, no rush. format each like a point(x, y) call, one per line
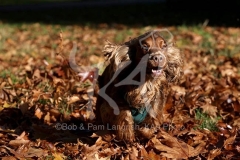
point(126, 133)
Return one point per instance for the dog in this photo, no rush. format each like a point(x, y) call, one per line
point(135, 84)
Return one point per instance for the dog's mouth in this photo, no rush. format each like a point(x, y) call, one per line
point(155, 71)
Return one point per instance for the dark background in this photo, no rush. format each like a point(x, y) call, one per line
point(132, 12)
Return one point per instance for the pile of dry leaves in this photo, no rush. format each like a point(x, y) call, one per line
point(43, 101)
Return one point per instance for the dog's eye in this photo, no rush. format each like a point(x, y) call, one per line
point(165, 45)
point(145, 47)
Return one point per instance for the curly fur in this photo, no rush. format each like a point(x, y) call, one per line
point(150, 95)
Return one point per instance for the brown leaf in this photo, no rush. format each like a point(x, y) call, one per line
point(36, 74)
point(105, 134)
point(15, 153)
point(133, 153)
point(9, 158)
point(170, 152)
point(198, 135)
point(58, 81)
point(236, 106)
point(35, 152)
point(47, 118)
point(20, 140)
point(107, 152)
point(10, 81)
point(4, 95)
point(214, 153)
point(174, 148)
point(38, 113)
point(153, 156)
point(73, 99)
point(55, 112)
point(142, 151)
point(231, 139)
point(90, 152)
point(237, 122)
point(210, 110)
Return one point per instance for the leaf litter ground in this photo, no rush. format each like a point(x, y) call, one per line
point(43, 100)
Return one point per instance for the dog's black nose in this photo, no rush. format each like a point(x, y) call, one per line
point(159, 59)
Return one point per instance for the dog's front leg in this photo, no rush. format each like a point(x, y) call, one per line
point(122, 124)
point(125, 126)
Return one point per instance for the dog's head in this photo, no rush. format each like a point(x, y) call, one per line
point(151, 52)
point(154, 47)
point(164, 60)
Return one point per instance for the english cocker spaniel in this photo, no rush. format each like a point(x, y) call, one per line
point(135, 84)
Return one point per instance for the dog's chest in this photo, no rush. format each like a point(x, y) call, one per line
point(142, 96)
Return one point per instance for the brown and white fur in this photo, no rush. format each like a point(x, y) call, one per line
point(162, 67)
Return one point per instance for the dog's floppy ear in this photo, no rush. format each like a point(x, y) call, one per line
point(160, 42)
point(175, 64)
point(116, 54)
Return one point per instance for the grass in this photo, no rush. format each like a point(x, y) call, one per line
point(8, 74)
point(34, 31)
point(119, 38)
point(5, 74)
point(209, 40)
point(45, 86)
point(206, 122)
point(44, 101)
point(64, 108)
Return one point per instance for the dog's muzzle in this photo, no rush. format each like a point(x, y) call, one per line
point(158, 61)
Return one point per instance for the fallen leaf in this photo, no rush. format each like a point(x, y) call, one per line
point(73, 99)
point(210, 110)
point(174, 148)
